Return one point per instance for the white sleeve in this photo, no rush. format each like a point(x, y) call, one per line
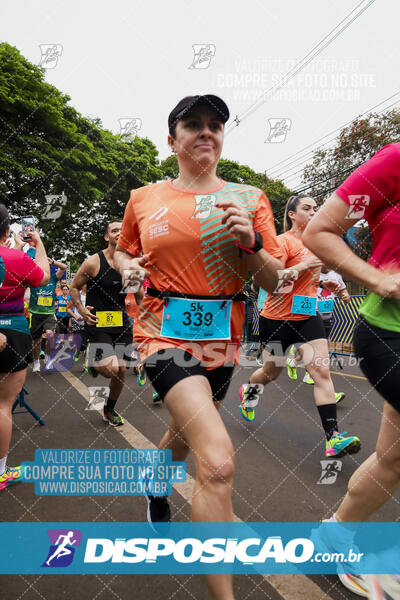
point(342, 283)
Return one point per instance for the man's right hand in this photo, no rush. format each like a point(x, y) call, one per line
point(89, 317)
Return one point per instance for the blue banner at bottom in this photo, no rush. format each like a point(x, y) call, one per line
point(246, 548)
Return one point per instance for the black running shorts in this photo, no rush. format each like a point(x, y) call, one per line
point(379, 352)
point(39, 323)
point(18, 353)
point(167, 367)
point(277, 335)
point(102, 344)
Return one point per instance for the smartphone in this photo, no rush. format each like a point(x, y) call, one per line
point(28, 227)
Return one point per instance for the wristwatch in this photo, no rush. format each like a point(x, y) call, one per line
point(256, 247)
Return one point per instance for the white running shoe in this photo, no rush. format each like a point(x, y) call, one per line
point(36, 366)
point(384, 587)
point(358, 584)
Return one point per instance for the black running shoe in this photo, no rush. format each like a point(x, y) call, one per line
point(92, 371)
point(158, 510)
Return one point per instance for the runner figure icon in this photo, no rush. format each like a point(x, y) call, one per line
point(62, 549)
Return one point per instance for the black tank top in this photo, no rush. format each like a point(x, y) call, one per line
point(104, 292)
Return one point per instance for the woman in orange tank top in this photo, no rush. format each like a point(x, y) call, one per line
point(290, 317)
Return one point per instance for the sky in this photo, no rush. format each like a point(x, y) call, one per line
point(125, 60)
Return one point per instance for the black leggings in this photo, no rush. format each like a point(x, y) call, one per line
point(167, 367)
point(379, 351)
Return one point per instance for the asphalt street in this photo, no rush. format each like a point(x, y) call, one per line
point(277, 470)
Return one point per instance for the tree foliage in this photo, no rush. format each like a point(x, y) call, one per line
point(355, 144)
point(47, 147)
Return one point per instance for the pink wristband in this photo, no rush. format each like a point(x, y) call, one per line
point(252, 246)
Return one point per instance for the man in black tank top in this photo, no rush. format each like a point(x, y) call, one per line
point(106, 321)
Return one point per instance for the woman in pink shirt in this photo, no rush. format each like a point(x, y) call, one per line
point(17, 271)
point(372, 192)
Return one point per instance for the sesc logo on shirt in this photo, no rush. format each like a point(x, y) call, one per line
point(160, 226)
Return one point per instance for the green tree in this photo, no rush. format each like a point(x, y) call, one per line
point(356, 143)
point(47, 147)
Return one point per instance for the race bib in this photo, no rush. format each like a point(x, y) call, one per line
point(304, 305)
point(109, 318)
point(62, 309)
point(45, 301)
point(326, 306)
point(198, 320)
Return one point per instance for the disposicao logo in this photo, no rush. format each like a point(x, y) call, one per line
point(62, 547)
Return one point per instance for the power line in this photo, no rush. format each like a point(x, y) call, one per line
point(291, 176)
point(278, 175)
point(314, 183)
point(302, 63)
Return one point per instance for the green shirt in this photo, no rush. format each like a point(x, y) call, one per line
point(43, 297)
point(381, 312)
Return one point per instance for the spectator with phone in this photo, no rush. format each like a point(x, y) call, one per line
point(17, 271)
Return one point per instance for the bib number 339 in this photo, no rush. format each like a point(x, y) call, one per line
point(196, 319)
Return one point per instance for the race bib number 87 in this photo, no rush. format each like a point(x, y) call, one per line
point(109, 318)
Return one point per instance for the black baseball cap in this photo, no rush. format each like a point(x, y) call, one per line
point(188, 102)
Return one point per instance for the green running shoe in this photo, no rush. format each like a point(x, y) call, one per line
point(90, 370)
point(340, 444)
point(113, 418)
point(308, 379)
point(10, 476)
point(156, 397)
point(291, 371)
point(249, 399)
point(141, 378)
point(339, 396)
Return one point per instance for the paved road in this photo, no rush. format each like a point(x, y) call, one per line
point(277, 470)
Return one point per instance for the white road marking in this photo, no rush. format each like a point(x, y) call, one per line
point(289, 587)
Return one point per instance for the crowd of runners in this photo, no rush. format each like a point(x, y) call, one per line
point(169, 286)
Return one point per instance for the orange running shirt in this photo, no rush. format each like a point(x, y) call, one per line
point(192, 253)
point(279, 306)
point(131, 306)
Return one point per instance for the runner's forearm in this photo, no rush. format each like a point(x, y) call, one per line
point(41, 258)
point(75, 298)
point(335, 253)
point(264, 268)
point(60, 265)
